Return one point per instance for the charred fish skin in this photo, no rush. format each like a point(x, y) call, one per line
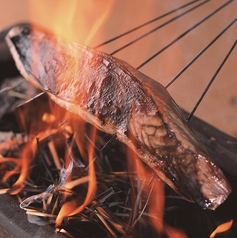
point(119, 100)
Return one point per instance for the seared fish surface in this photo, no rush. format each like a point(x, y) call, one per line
point(119, 100)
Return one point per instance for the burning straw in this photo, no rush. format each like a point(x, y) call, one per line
point(70, 173)
point(82, 180)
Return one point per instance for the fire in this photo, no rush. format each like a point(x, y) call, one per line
point(71, 208)
point(155, 195)
point(29, 152)
point(148, 190)
point(64, 23)
point(146, 187)
point(77, 20)
point(48, 118)
point(27, 155)
point(68, 22)
point(221, 228)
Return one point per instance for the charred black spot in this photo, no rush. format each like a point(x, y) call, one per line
point(106, 99)
point(170, 140)
point(117, 114)
point(91, 103)
point(91, 107)
point(108, 104)
point(108, 92)
point(181, 169)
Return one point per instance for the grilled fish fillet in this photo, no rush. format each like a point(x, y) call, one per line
point(118, 99)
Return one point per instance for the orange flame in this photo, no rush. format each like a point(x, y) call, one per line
point(156, 197)
point(23, 164)
point(48, 118)
point(74, 20)
point(27, 155)
point(26, 159)
point(71, 208)
point(68, 22)
point(221, 228)
point(39, 133)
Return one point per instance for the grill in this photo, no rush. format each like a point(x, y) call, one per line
point(190, 48)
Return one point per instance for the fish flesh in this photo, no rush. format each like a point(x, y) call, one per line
point(119, 100)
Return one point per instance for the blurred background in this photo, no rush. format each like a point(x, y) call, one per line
point(93, 22)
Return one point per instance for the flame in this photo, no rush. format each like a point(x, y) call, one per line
point(221, 228)
point(144, 179)
point(48, 118)
point(71, 208)
point(67, 22)
point(74, 20)
point(27, 155)
point(39, 132)
point(156, 197)
point(23, 164)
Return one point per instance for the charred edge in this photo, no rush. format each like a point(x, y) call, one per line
point(17, 42)
point(184, 177)
point(22, 43)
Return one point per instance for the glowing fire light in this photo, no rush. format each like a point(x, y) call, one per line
point(156, 197)
point(69, 22)
point(221, 228)
point(76, 20)
point(71, 208)
point(49, 118)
